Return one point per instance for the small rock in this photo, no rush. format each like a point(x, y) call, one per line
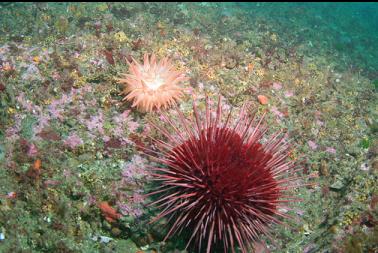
point(2, 152)
point(324, 169)
point(142, 239)
point(105, 239)
point(289, 94)
point(231, 63)
point(353, 151)
point(102, 239)
point(373, 150)
point(374, 165)
point(312, 145)
point(126, 246)
point(116, 231)
point(364, 167)
point(110, 214)
point(337, 185)
point(330, 150)
point(128, 219)
point(2, 87)
point(310, 248)
point(49, 134)
point(277, 86)
point(374, 201)
point(262, 99)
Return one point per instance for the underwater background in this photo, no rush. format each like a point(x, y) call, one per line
point(72, 175)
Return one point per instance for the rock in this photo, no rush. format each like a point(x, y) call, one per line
point(373, 150)
point(128, 219)
point(263, 99)
point(2, 152)
point(109, 212)
point(374, 165)
point(353, 151)
point(364, 167)
point(49, 134)
point(142, 239)
point(159, 232)
point(105, 239)
point(231, 63)
point(337, 185)
point(85, 157)
point(126, 246)
point(116, 231)
point(324, 169)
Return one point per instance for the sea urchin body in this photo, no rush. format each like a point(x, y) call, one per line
point(153, 85)
point(220, 180)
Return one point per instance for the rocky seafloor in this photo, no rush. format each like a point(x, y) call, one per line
point(69, 145)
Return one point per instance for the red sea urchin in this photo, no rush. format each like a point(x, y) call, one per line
point(219, 180)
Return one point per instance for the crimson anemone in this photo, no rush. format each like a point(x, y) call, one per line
point(153, 84)
point(222, 179)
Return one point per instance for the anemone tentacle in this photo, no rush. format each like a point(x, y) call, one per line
point(152, 85)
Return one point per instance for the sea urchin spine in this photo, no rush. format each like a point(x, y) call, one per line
point(220, 180)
